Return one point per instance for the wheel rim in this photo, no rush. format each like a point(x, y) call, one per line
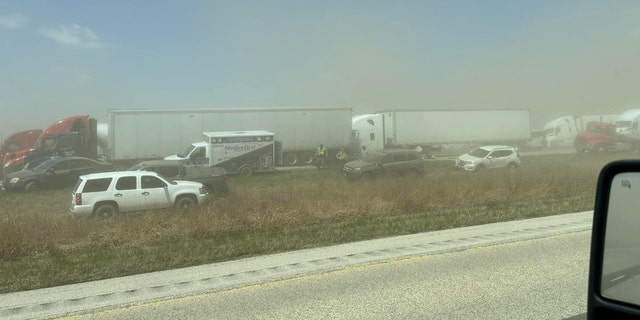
point(291, 159)
point(307, 158)
point(31, 186)
point(246, 171)
point(185, 204)
point(106, 211)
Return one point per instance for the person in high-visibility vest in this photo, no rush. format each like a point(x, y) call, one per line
point(321, 157)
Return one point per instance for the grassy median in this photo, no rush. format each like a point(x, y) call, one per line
point(42, 244)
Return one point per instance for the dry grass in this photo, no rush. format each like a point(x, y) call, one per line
point(279, 212)
point(36, 229)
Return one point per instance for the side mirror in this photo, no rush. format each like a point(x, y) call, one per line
point(614, 268)
point(489, 157)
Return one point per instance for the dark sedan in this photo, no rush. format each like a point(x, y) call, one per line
point(54, 173)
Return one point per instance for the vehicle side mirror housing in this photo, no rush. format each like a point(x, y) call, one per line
point(614, 267)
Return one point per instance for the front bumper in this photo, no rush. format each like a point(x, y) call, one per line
point(464, 165)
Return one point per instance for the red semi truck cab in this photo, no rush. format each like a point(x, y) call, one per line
point(599, 136)
point(52, 138)
point(18, 144)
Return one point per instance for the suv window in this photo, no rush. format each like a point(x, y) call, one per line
point(126, 183)
point(97, 185)
point(151, 182)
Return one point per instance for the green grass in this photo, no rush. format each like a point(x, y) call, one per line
point(42, 244)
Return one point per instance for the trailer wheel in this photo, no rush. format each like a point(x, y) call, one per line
point(290, 159)
point(307, 157)
point(245, 171)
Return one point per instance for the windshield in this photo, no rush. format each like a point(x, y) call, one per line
point(479, 153)
point(186, 151)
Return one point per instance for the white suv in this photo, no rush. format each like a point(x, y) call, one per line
point(108, 193)
point(488, 157)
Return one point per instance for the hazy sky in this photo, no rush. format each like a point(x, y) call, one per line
point(62, 58)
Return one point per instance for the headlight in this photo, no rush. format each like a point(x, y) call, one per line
point(357, 169)
point(14, 180)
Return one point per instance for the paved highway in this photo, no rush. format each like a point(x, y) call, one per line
point(529, 269)
point(534, 279)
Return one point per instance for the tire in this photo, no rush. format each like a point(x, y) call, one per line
point(245, 171)
point(186, 203)
point(480, 168)
point(290, 159)
point(307, 158)
point(512, 166)
point(105, 210)
point(31, 186)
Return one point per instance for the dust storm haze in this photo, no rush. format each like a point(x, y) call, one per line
point(554, 58)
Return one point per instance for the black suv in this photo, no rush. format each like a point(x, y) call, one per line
point(213, 178)
point(384, 162)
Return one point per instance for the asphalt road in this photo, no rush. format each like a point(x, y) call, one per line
point(533, 279)
point(492, 271)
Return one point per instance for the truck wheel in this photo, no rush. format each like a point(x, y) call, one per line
point(479, 168)
point(105, 210)
point(307, 157)
point(290, 159)
point(185, 203)
point(245, 171)
point(31, 186)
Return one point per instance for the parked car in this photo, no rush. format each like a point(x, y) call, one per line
point(53, 173)
point(489, 157)
point(214, 178)
point(109, 193)
point(384, 162)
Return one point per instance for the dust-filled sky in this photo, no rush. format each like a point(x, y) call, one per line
point(69, 57)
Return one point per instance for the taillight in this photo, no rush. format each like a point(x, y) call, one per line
point(78, 199)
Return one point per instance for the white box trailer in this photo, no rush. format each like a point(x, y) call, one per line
point(156, 133)
point(432, 128)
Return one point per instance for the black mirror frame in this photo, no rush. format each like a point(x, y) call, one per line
point(599, 307)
